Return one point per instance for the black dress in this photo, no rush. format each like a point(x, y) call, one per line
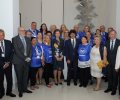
point(58, 49)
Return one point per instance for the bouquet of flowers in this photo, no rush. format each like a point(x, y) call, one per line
point(100, 64)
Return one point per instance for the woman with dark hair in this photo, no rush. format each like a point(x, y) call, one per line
point(40, 70)
point(84, 61)
point(49, 33)
point(98, 33)
point(43, 29)
point(36, 62)
point(58, 47)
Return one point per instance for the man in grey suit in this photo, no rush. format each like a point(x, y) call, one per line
point(21, 59)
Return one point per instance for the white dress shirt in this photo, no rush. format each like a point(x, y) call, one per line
point(2, 48)
point(74, 42)
point(113, 43)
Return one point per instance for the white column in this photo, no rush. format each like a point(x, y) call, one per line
point(118, 17)
point(9, 20)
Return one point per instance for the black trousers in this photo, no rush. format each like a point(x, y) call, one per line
point(8, 73)
point(112, 78)
point(72, 72)
point(47, 72)
point(22, 76)
point(33, 72)
point(84, 76)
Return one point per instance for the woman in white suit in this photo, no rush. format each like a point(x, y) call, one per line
point(117, 65)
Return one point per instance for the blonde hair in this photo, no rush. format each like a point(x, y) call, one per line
point(63, 25)
point(44, 40)
point(97, 36)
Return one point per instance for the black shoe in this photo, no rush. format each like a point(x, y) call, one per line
point(65, 80)
point(1, 96)
point(84, 86)
point(80, 85)
point(28, 91)
point(60, 83)
point(68, 84)
point(91, 82)
point(75, 84)
point(56, 84)
point(113, 93)
point(20, 94)
point(11, 94)
point(108, 90)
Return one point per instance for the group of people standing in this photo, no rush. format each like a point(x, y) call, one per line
point(59, 53)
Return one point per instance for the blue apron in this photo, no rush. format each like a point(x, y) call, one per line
point(47, 53)
point(36, 56)
point(84, 52)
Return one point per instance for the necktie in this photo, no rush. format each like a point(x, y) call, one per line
point(73, 43)
point(24, 44)
point(112, 47)
point(2, 46)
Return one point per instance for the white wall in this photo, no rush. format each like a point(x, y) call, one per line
point(16, 22)
point(118, 17)
point(101, 8)
point(9, 21)
point(70, 13)
point(52, 12)
point(30, 11)
point(9, 14)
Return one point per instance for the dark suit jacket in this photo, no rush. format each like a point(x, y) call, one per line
point(111, 55)
point(18, 48)
point(71, 53)
point(8, 53)
point(106, 35)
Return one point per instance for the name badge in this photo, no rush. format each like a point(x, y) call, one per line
point(38, 57)
point(2, 55)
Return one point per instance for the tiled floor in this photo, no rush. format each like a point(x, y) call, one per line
point(63, 92)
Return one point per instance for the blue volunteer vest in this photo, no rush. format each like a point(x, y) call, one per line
point(47, 53)
point(36, 56)
point(84, 52)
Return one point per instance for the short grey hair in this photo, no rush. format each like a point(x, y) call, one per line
point(2, 31)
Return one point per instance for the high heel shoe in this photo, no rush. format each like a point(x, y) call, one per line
point(56, 84)
point(60, 83)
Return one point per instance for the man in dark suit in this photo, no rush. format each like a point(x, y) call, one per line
point(104, 35)
point(111, 48)
point(71, 47)
point(6, 53)
point(21, 59)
